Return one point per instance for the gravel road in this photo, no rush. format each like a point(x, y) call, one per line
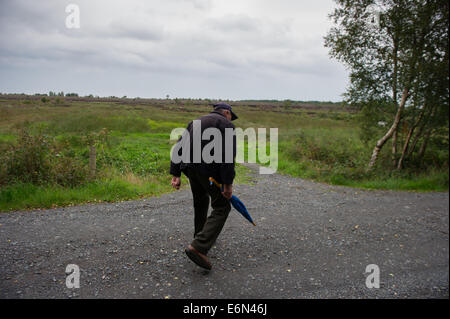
point(311, 241)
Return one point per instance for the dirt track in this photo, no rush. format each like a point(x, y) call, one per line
point(311, 241)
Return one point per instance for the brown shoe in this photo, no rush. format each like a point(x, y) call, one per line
point(198, 258)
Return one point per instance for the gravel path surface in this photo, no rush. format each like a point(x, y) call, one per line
point(311, 241)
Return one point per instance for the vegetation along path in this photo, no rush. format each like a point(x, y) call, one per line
point(311, 241)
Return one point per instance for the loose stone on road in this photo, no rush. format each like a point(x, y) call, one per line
point(311, 241)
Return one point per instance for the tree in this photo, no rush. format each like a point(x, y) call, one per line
point(397, 55)
point(287, 104)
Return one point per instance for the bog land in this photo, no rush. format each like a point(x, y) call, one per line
point(62, 151)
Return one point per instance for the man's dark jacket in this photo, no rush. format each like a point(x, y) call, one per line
point(223, 172)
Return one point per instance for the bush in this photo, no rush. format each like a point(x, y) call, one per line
point(39, 159)
point(327, 150)
point(68, 172)
point(27, 161)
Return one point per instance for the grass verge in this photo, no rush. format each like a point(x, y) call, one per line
point(123, 187)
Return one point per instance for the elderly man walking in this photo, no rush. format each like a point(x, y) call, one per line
point(207, 228)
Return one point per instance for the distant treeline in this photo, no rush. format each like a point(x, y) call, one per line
point(292, 101)
point(176, 99)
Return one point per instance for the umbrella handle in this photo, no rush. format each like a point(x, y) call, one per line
point(212, 180)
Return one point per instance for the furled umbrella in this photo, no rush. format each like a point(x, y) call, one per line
point(236, 202)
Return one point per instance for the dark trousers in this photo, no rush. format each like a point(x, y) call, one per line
point(207, 228)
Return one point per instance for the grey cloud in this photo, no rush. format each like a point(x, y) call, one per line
point(141, 32)
point(201, 4)
point(230, 23)
point(180, 41)
point(43, 17)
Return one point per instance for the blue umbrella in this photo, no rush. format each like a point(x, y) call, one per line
point(236, 202)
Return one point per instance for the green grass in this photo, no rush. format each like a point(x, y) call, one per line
point(425, 182)
point(434, 182)
point(336, 155)
point(26, 196)
point(133, 161)
point(117, 188)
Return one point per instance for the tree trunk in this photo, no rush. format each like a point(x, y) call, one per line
point(394, 75)
point(391, 131)
point(405, 148)
point(408, 139)
point(394, 147)
point(394, 98)
point(416, 139)
point(420, 132)
point(424, 145)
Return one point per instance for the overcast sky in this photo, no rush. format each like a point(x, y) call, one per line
point(221, 49)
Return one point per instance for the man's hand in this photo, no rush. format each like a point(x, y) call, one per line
point(176, 182)
point(227, 191)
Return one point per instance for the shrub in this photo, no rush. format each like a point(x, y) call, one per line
point(39, 159)
point(27, 161)
point(69, 172)
point(326, 150)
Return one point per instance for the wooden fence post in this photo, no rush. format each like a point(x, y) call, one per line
point(92, 159)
